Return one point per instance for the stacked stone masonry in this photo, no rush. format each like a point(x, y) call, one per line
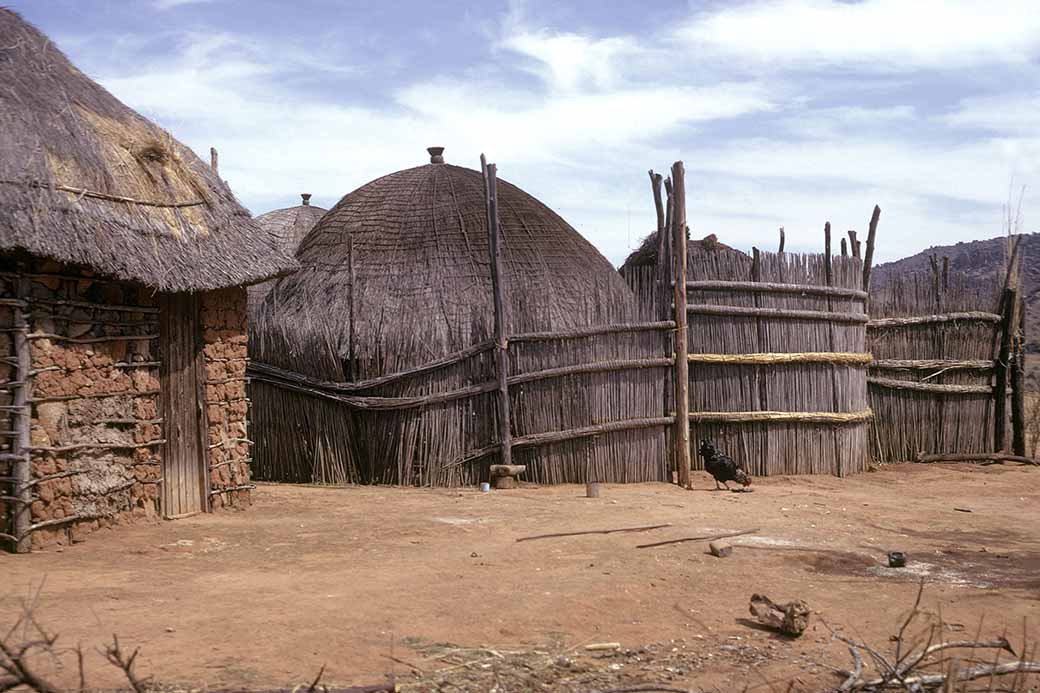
point(96, 436)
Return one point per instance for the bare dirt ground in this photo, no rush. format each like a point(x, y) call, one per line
point(432, 586)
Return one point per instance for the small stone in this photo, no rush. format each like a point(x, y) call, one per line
point(720, 549)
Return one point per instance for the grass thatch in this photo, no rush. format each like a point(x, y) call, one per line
point(290, 225)
point(86, 180)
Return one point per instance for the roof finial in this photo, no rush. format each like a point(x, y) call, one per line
point(435, 155)
point(306, 199)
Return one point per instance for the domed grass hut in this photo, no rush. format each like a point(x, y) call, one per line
point(374, 363)
point(290, 226)
point(123, 261)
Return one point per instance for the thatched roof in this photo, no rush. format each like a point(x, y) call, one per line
point(416, 244)
point(646, 253)
point(290, 226)
point(86, 180)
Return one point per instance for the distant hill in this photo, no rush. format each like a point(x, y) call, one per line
point(980, 264)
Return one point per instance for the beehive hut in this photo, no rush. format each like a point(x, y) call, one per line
point(123, 260)
point(290, 226)
point(374, 363)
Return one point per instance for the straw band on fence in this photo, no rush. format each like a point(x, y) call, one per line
point(778, 288)
point(932, 365)
point(846, 358)
point(967, 316)
point(792, 416)
point(931, 387)
point(778, 313)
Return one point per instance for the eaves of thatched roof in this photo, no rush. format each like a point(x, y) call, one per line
point(86, 180)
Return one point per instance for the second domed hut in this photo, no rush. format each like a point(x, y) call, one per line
point(395, 284)
point(289, 226)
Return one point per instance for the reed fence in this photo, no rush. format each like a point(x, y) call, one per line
point(944, 353)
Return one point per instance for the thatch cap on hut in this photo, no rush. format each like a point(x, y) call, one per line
point(84, 179)
point(291, 224)
point(646, 253)
point(397, 273)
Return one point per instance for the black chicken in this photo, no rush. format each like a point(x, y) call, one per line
point(722, 467)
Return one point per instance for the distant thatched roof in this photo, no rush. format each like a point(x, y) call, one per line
point(646, 253)
point(84, 179)
point(290, 226)
point(416, 244)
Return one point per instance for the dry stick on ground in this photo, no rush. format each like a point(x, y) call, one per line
point(114, 654)
point(646, 528)
point(708, 537)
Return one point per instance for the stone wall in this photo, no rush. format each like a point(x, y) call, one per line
point(95, 432)
point(225, 348)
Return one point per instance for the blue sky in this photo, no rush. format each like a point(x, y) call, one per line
point(786, 112)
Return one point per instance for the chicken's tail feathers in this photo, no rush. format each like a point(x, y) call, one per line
point(742, 477)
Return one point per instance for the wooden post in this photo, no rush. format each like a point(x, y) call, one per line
point(827, 264)
point(22, 416)
point(502, 355)
point(1018, 385)
point(1007, 309)
point(853, 243)
point(682, 362)
point(868, 259)
point(213, 161)
point(782, 239)
point(844, 248)
point(662, 271)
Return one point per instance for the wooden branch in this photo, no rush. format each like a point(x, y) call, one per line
point(868, 259)
point(375, 403)
point(596, 367)
point(844, 248)
point(661, 325)
point(782, 240)
point(94, 306)
point(985, 457)
point(825, 417)
point(83, 192)
point(229, 489)
point(778, 358)
point(853, 243)
point(681, 375)
point(931, 365)
point(503, 421)
point(916, 386)
point(706, 537)
point(96, 395)
point(1018, 385)
point(92, 340)
point(98, 446)
point(1008, 303)
point(968, 316)
point(554, 535)
point(828, 261)
point(776, 313)
point(777, 288)
point(533, 439)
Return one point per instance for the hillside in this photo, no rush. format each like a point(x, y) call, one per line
point(980, 264)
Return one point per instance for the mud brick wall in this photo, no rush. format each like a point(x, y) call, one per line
point(7, 418)
point(94, 433)
point(224, 340)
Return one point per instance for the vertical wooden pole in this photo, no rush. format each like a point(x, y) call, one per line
point(213, 163)
point(844, 248)
point(828, 270)
point(22, 415)
point(853, 243)
point(1018, 385)
point(662, 271)
point(501, 352)
point(682, 361)
point(1007, 309)
point(782, 240)
point(868, 259)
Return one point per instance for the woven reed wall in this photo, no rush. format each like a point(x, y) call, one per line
point(908, 422)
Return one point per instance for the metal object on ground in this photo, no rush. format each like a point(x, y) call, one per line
point(484, 487)
point(896, 559)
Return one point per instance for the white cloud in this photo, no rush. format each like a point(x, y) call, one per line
point(1002, 113)
point(571, 61)
point(871, 34)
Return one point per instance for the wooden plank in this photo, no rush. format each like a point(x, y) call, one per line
point(938, 389)
point(932, 364)
point(781, 416)
point(868, 259)
point(501, 345)
point(861, 359)
point(682, 363)
point(965, 316)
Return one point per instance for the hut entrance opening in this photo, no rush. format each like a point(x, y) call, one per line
point(184, 485)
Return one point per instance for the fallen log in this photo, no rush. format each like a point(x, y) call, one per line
point(981, 457)
point(647, 528)
point(790, 619)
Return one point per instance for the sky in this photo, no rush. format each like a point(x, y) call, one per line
point(785, 112)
